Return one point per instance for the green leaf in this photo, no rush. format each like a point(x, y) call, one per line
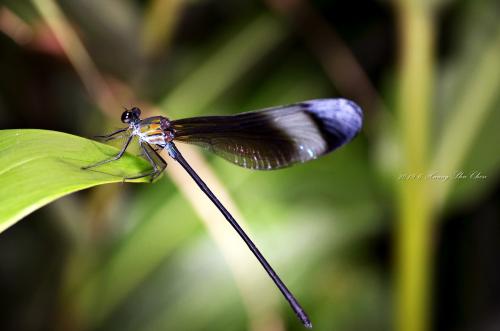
point(39, 166)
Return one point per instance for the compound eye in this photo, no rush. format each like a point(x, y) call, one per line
point(136, 111)
point(126, 116)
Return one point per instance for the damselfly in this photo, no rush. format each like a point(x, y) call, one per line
point(265, 139)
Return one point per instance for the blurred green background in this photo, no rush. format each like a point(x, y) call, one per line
point(372, 237)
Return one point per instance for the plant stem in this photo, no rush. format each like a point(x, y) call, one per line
point(414, 227)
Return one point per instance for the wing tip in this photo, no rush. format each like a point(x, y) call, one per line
point(340, 118)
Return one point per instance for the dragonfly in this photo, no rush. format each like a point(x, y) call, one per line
point(264, 139)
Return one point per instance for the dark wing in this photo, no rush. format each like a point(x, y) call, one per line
point(275, 137)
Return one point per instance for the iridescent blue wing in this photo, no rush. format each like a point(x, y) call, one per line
point(275, 137)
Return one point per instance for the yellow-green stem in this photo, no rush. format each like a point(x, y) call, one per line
point(159, 24)
point(414, 226)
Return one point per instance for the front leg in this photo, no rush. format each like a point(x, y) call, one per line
point(111, 136)
point(118, 156)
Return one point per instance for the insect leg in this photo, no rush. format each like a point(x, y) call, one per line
point(119, 155)
point(111, 136)
point(155, 160)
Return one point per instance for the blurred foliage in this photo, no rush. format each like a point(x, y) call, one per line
point(347, 233)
